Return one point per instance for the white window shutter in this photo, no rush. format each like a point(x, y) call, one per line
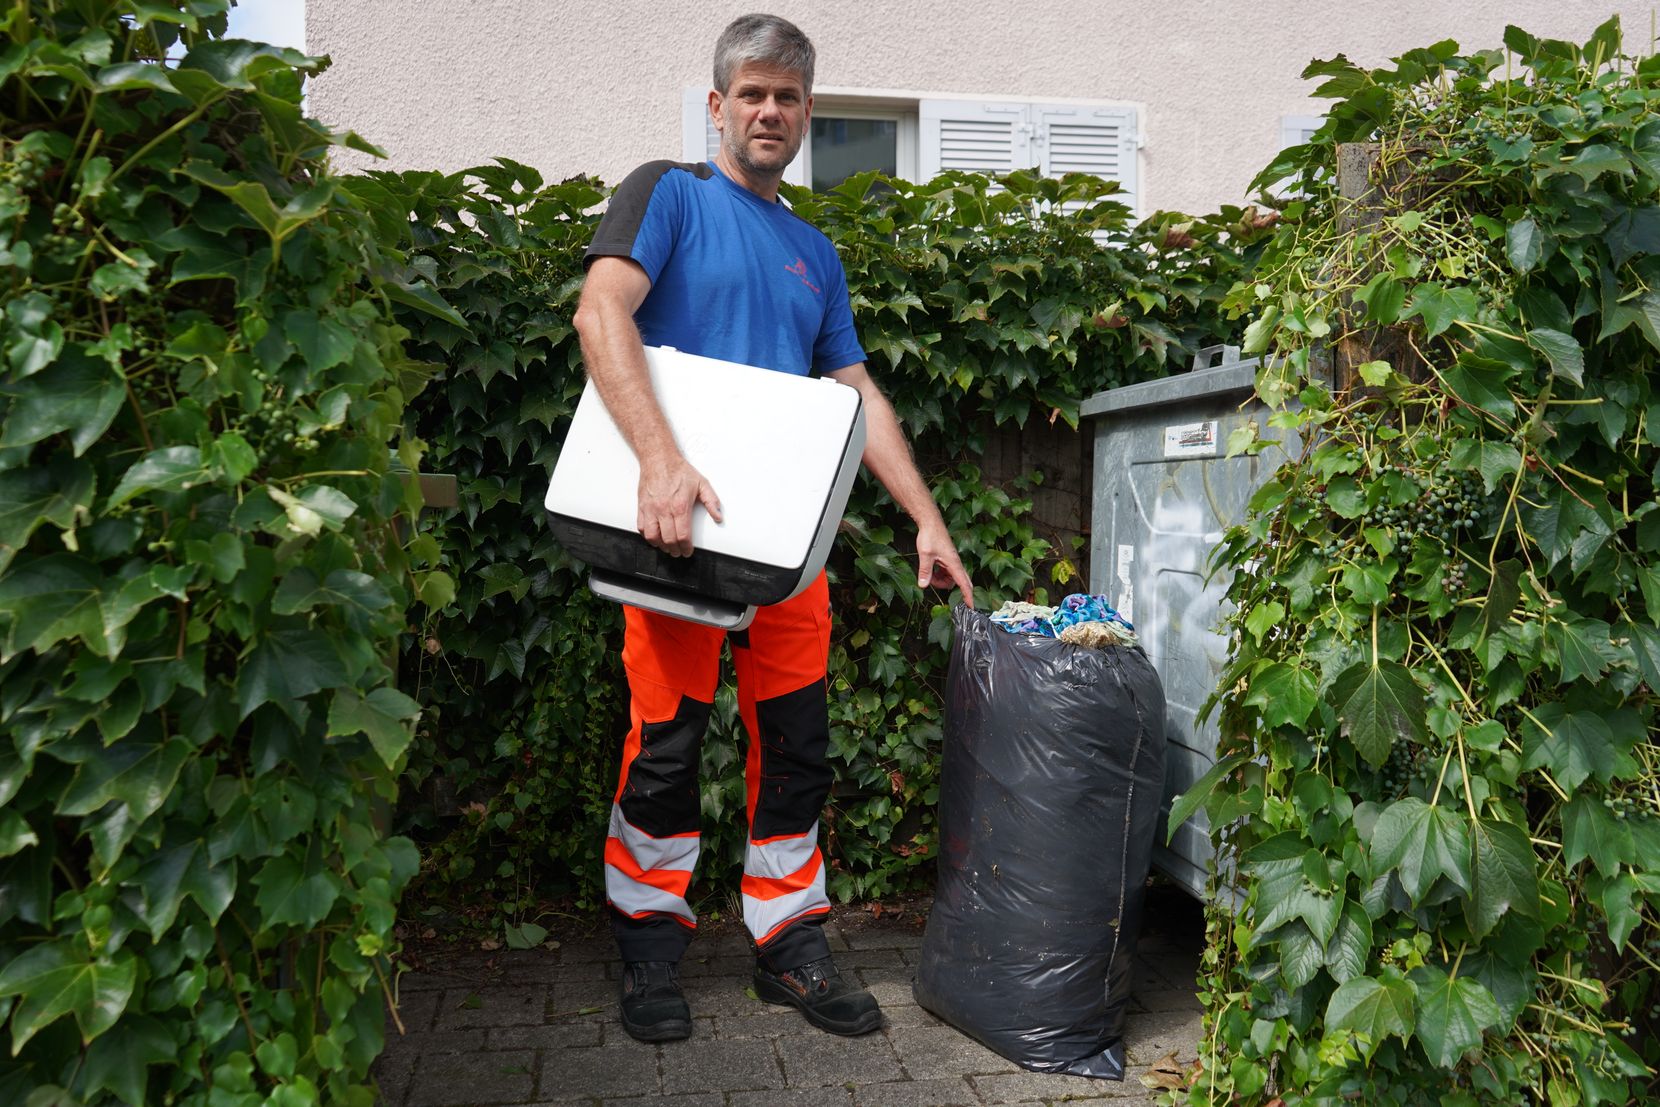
point(699, 141)
point(981, 136)
point(1295, 130)
point(1081, 139)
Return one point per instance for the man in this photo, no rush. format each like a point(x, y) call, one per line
point(705, 259)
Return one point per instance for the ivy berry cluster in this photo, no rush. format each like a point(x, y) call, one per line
point(1452, 504)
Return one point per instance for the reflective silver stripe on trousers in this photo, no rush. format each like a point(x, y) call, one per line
point(779, 857)
point(631, 896)
point(776, 860)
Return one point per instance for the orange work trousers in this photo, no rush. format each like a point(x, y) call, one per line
point(673, 668)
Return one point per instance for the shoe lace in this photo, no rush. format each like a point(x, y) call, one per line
point(644, 976)
point(818, 974)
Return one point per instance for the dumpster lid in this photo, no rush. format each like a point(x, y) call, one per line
point(1231, 375)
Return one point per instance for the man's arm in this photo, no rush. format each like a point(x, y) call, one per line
point(888, 456)
point(669, 486)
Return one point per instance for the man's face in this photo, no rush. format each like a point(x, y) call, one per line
point(762, 118)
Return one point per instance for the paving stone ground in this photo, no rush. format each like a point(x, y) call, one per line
point(539, 1027)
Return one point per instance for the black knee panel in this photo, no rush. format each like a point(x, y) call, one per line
point(660, 796)
point(795, 778)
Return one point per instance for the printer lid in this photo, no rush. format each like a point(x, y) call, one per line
point(771, 444)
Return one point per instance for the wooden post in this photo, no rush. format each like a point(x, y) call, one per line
point(1368, 191)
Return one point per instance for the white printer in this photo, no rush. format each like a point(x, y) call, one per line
point(780, 451)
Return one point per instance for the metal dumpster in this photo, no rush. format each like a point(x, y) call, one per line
point(1164, 493)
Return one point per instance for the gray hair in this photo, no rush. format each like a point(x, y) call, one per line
point(769, 39)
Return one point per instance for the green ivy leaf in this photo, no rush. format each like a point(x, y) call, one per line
point(356, 594)
point(233, 457)
point(1503, 875)
point(121, 1057)
point(252, 197)
point(138, 774)
point(222, 555)
point(292, 895)
point(1583, 646)
point(1345, 497)
point(386, 715)
point(128, 76)
point(58, 493)
point(1285, 693)
point(236, 64)
point(1378, 703)
point(1511, 986)
point(1441, 307)
point(1523, 244)
point(317, 507)
point(1560, 521)
point(1383, 296)
point(1645, 644)
point(1260, 331)
point(1567, 358)
point(1424, 843)
point(1375, 373)
point(57, 597)
point(39, 337)
point(1320, 911)
point(1485, 386)
point(1263, 618)
point(423, 298)
point(1624, 916)
point(16, 834)
point(1590, 830)
point(1351, 944)
point(77, 393)
point(1452, 1013)
point(278, 1055)
point(322, 342)
point(55, 979)
point(436, 589)
point(1576, 745)
point(171, 874)
point(1373, 1007)
point(171, 469)
point(287, 665)
point(528, 936)
point(1494, 460)
point(1301, 955)
point(1184, 805)
point(1590, 163)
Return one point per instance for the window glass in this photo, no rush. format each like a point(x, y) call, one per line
point(843, 147)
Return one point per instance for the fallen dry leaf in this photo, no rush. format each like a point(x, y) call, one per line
point(1166, 1074)
point(489, 944)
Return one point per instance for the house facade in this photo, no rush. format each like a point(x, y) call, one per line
point(1182, 103)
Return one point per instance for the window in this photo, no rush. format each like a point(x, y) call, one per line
point(919, 138)
point(1295, 130)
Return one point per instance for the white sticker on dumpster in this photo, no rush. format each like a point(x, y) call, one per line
point(1191, 440)
point(1126, 590)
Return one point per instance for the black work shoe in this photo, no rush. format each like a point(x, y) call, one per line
point(829, 1002)
point(653, 1006)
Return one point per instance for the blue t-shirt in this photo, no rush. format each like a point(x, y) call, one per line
point(733, 276)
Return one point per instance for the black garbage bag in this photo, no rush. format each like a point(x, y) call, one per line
point(1053, 772)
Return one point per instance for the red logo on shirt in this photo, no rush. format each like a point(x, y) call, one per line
point(800, 270)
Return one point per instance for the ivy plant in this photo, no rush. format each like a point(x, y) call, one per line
point(1437, 795)
point(200, 582)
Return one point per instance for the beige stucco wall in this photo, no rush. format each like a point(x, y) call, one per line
point(577, 86)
